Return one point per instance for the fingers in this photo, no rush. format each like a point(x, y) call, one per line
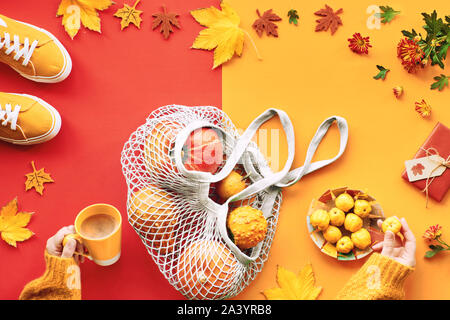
point(388, 244)
point(54, 244)
point(69, 249)
point(80, 249)
point(379, 223)
point(410, 239)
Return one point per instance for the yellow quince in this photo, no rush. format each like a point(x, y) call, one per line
point(320, 219)
point(362, 208)
point(391, 224)
point(352, 222)
point(337, 217)
point(332, 234)
point(344, 201)
point(344, 245)
point(361, 238)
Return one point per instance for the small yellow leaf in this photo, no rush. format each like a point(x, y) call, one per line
point(129, 15)
point(294, 287)
point(36, 179)
point(12, 224)
point(77, 12)
point(222, 34)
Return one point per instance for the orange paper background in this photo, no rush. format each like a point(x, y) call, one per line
point(313, 75)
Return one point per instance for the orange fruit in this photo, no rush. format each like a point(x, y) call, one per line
point(248, 226)
point(206, 270)
point(152, 213)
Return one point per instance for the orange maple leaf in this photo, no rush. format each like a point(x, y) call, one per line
point(36, 179)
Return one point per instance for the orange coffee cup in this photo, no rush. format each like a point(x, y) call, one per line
point(102, 240)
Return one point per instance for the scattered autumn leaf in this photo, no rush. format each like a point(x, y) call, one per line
point(417, 169)
point(330, 19)
point(77, 12)
point(382, 73)
point(387, 15)
point(440, 82)
point(223, 34)
point(12, 224)
point(129, 15)
point(166, 20)
point(293, 287)
point(293, 16)
point(36, 179)
point(266, 23)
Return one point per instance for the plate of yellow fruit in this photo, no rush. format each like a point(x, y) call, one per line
point(343, 223)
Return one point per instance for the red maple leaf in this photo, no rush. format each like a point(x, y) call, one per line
point(417, 169)
point(265, 22)
point(166, 20)
point(330, 19)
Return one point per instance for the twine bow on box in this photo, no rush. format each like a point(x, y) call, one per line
point(439, 163)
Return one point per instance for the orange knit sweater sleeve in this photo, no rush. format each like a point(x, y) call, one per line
point(61, 281)
point(380, 278)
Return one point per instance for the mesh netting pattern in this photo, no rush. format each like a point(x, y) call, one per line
point(175, 216)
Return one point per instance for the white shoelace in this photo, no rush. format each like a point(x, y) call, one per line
point(24, 52)
point(10, 116)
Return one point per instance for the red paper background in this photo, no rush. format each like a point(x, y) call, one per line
point(118, 78)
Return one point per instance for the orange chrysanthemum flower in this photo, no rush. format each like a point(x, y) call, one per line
point(410, 53)
point(423, 108)
point(359, 44)
point(433, 232)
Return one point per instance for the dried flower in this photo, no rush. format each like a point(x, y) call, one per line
point(433, 232)
point(359, 44)
point(398, 91)
point(423, 108)
point(410, 53)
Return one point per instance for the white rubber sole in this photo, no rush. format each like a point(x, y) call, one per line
point(53, 132)
point(66, 69)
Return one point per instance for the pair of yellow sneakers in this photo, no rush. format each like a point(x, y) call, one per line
point(36, 55)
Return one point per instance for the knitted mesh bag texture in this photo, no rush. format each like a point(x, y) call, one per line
point(171, 205)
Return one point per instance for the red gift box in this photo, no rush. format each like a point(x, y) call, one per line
point(439, 139)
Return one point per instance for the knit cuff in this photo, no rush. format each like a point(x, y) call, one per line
point(392, 273)
point(57, 267)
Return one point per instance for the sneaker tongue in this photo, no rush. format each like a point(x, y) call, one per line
point(22, 30)
point(24, 102)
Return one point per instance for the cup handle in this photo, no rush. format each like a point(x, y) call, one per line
point(76, 237)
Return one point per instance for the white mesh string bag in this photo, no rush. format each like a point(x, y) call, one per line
point(170, 204)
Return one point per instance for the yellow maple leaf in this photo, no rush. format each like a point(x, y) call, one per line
point(129, 15)
point(293, 287)
point(77, 12)
point(12, 224)
point(36, 179)
point(223, 34)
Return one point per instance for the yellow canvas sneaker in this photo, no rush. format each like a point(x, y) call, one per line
point(26, 119)
point(33, 52)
